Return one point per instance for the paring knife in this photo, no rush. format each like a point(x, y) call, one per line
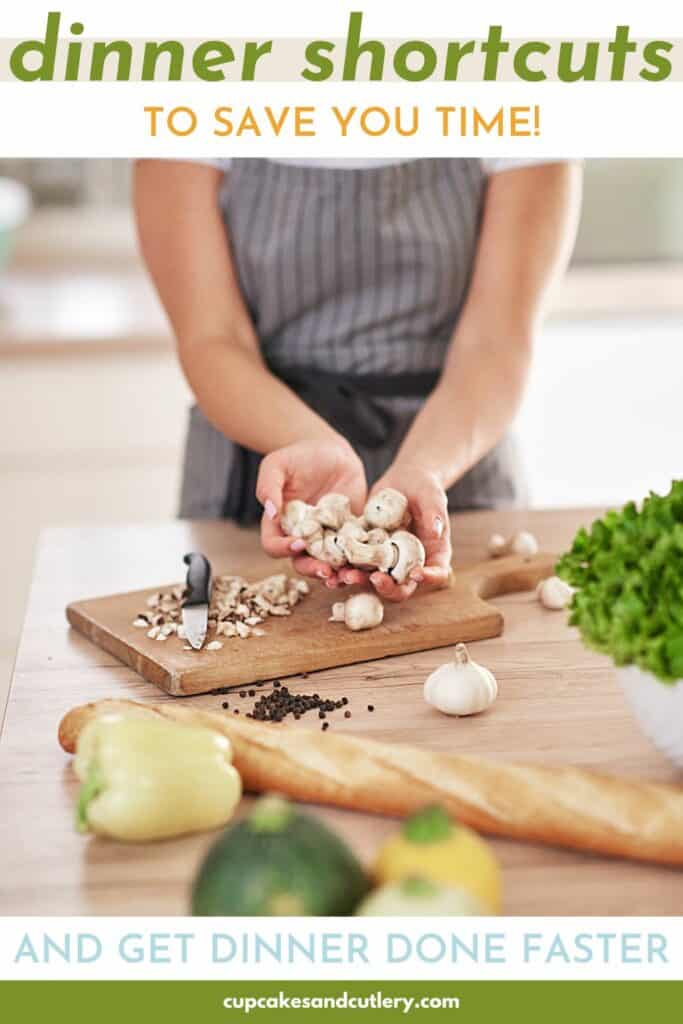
point(196, 604)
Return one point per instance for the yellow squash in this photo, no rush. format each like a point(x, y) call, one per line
point(429, 845)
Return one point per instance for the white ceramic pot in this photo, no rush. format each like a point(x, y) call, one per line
point(658, 707)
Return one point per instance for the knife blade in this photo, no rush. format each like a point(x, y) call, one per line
point(197, 596)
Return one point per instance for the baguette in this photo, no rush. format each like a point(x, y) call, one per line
point(558, 806)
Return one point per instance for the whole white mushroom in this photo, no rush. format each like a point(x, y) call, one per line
point(361, 611)
point(387, 509)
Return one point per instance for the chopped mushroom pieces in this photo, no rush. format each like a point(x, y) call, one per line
point(237, 608)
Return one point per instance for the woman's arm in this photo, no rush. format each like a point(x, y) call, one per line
point(184, 244)
point(528, 229)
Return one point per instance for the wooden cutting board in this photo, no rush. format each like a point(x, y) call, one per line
point(306, 641)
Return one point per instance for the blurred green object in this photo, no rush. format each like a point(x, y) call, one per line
point(15, 206)
point(278, 861)
point(628, 571)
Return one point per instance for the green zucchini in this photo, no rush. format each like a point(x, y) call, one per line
point(278, 861)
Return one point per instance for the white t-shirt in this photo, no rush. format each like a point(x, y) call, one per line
point(491, 165)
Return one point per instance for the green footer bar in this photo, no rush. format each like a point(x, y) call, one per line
point(191, 1002)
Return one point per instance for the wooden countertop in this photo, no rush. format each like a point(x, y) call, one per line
point(558, 703)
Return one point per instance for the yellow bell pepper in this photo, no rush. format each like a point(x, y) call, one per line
point(429, 845)
point(150, 779)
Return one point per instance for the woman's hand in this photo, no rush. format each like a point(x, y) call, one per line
point(307, 470)
point(428, 506)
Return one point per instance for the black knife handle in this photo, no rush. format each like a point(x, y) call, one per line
point(198, 578)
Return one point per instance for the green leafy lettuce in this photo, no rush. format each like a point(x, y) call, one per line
point(628, 571)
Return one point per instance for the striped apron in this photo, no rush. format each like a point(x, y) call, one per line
point(354, 279)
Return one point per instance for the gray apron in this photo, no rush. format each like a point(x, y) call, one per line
point(354, 280)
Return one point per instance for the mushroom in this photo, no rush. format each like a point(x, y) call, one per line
point(522, 543)
point(410, 554)
point(362, 611)
point(333, 510)
point(373, 541)
point(352, 530)
point(326, 549)
point(497, 545)
point(554, 593)
point(388, 509)
point(380, 556)
point(299, 520)
point(272, 587)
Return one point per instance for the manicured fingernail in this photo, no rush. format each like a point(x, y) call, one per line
point(331, 584)
point(438, 525)
point(376, 578)
point(322, 574)
point(298, 545)
point(270, 509)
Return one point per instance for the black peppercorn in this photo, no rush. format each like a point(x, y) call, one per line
point(279, 703)
point(347, 714)
point(371, 707)
point(225, 705)
point(326, 725)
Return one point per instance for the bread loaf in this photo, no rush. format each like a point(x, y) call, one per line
point(559, 806)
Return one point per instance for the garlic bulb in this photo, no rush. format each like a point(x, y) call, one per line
point(461, 687)
point(554, 593)
point(362, 611)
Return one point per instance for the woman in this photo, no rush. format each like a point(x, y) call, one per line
point(346, 327)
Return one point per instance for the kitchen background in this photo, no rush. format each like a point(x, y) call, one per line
point(92, 403)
